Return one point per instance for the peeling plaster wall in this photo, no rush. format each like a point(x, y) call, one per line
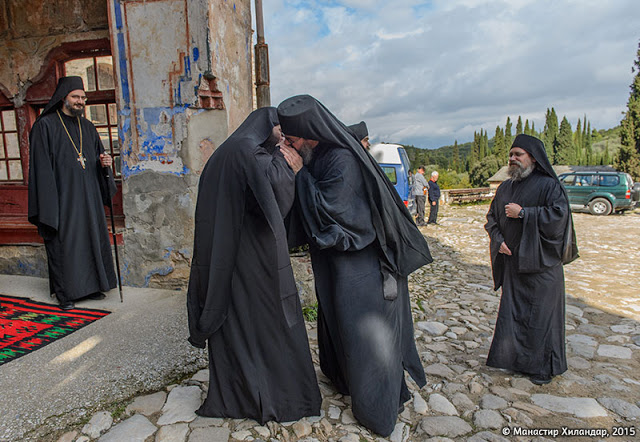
point(163, 56)
point(231, 54)
point(29, 29)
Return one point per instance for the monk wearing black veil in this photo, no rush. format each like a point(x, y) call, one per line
point(363, 246)
point(69, 184)
point(361, 132)
point(242, 296)
point(532, 236)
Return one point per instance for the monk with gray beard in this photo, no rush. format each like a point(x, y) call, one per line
point(532, 236)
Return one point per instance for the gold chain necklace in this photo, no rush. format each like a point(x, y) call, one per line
point(81, 159)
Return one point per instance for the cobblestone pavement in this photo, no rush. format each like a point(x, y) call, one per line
point(454, 310)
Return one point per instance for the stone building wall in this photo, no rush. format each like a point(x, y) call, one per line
point(30, 29)
point(185, 73)
point(183, 84)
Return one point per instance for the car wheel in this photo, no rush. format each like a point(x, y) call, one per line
point(600, 206)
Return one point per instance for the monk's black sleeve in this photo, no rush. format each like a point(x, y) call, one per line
point(334, 207)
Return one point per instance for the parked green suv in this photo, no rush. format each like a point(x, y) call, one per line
point(600, 192)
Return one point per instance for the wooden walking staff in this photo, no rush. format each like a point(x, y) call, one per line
point(113, 233)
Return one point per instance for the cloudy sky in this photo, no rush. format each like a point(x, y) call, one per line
point(430, 72)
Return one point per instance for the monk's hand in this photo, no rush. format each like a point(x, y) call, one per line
point(512, 210)
point(504, 249)
point(106, 160)
point(291, 156)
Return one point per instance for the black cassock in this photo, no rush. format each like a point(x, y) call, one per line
point(366, 341)
point(242, 295)
point(529, 333)
point(66, 203)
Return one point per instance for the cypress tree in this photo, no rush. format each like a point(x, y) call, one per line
point(564, 150)
point(527, 131)
point(588, 144)
point(533, 129)
point(499, 148)
point(628, 159)
point(485, 144)
point(508, 138)
point(550, 132)
point(475, 149)
point(456, 157)
point(577, 143)
point(519, 125)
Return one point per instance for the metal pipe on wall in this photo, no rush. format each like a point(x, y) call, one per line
point(263, 94)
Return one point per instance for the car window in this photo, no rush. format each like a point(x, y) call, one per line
point(609, 180)
point(584, 180)
point(390, 172)
point(567, 180)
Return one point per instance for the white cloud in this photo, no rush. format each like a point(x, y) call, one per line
point(429, 72)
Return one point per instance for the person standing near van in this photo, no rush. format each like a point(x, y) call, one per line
point(434, 198)
point(418, 192)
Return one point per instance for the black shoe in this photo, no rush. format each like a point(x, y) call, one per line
point(67, 305)
point(96, 296)
point(540, 380)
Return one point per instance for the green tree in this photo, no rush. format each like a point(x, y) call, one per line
point(483, 170)
point(550, 132)
point(475, 150)
point(519, 125)
point(564, 152)
point(508, 138)
point(527, 130)
point(499, 147)
point(455, 161)
point(482, 151)
point(485, 144)
point(628, 158)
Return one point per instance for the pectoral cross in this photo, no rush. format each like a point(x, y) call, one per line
point(81, 160)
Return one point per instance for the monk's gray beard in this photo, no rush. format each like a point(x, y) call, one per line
point(518, 173)
point(306, 152)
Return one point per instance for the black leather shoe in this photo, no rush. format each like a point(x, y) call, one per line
point(96, 296)
point(540, 380)
point(67, 305)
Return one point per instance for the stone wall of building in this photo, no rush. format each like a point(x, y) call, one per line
point(183, 84)
point(184, 70)
point(30, 29)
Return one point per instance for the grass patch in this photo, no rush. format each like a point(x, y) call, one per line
point(310, 312)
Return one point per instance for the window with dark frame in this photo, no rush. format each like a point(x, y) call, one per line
point(90, 60)
point(100, 109)
point(10, 163)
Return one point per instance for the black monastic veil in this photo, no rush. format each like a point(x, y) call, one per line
point(363, 246)
point(242, 296)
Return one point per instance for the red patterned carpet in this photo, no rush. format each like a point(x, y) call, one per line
point(26, 325)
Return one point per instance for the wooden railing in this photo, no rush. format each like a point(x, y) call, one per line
point(459, 196)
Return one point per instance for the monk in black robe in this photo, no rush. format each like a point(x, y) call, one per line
point(363, 246)
point(531, 231)
point(361, 132)
point(69, 184)
point(242, 296)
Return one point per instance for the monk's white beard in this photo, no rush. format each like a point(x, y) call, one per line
point(519, 173)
